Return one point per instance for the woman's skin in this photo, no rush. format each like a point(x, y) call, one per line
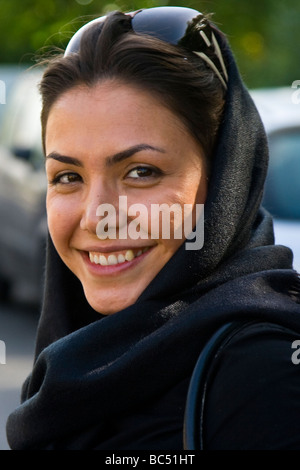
point(107, 141)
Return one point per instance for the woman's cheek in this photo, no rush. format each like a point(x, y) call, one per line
point(62, 217)
point(162, 219)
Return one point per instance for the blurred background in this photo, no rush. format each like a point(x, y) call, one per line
point(265, 38)
point(264, 34)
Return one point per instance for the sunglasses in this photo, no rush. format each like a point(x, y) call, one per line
point(174, 25)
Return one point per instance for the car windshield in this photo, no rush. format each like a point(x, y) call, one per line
point(282, 190)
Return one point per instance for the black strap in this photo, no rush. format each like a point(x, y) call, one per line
point(193, 420)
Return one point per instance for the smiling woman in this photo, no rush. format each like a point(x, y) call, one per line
point(148, 108)
point(134, 150)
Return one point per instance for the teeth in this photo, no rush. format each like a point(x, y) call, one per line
point(112, 259)
point(115, 259)
point(129, 255)
point(121, 258)
point(103, 260)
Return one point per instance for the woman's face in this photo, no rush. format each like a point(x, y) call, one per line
point(104, 142)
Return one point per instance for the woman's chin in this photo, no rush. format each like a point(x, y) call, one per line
point(108, 306)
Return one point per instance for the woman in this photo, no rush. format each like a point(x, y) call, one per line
point(149, 109)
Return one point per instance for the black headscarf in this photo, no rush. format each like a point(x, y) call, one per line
point(92, 369)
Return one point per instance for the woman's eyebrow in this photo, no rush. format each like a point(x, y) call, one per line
point(120, 156)
point(64, 159)
point(109, 161)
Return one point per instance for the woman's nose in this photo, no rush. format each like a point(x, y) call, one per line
point(101, 202)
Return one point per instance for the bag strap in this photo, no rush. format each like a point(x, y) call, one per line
point(194, 410)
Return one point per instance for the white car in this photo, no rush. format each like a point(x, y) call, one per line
point(280, 112)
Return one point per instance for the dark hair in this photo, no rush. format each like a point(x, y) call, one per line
point(176, 76)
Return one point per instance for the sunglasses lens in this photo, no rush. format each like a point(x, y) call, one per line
point(166, 23)
point(74, 43)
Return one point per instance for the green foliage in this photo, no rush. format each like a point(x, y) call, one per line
point(264, 34)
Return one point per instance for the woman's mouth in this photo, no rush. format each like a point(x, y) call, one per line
point(117, 257)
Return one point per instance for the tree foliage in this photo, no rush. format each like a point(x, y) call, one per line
point(264, 34)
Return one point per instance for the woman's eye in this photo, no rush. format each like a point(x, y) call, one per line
point(66, 178)
point(143, 172)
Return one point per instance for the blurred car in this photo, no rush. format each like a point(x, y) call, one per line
point(22, 191)
point(280, 113)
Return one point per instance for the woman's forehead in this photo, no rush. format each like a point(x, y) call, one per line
point(112, 117)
